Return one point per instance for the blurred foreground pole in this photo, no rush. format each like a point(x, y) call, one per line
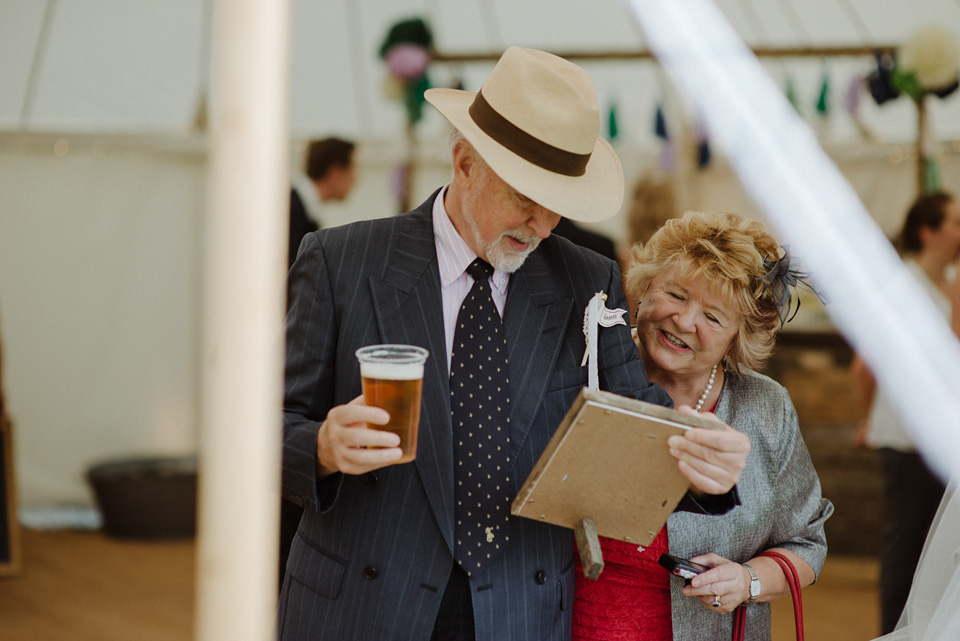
point(244, 254)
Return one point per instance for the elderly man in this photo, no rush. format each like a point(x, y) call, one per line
point(427, 550)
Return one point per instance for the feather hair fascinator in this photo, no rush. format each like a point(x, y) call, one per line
point(782, 278)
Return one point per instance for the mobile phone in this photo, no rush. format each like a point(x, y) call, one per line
point(683, 568)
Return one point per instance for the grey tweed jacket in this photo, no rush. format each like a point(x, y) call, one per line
point(781, 505)
point(373, 552)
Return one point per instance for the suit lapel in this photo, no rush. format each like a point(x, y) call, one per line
point(408, 307)
point(535, 319)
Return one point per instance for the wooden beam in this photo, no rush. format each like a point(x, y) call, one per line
point(644, 54)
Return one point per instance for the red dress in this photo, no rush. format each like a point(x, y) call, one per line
point(631, 599)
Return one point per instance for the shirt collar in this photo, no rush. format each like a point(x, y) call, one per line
point(453, 253)
point(307, 191)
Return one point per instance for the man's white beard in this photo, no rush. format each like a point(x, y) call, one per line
point(497, 253)
point(505, 259)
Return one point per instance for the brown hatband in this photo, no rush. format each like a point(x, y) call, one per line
point(541, 154)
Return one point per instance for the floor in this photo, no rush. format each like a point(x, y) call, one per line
point(841, 606)
point(83, 586)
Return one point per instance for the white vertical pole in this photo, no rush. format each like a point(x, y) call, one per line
point(243, 298)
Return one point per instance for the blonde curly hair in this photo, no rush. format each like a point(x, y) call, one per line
point(728, 251)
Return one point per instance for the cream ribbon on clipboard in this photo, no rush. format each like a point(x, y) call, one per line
point(597, 315)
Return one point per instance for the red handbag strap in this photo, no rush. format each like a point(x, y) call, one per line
point(793, 580)
point(739, 620)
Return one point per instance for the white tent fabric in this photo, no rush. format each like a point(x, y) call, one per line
point(102, 156)
point(139, 66)
point(931, 610)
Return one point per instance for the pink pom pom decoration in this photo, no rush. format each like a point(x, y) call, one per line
point(852, 99)
point(407, 61)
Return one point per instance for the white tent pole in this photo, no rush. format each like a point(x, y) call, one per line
point(241, 370)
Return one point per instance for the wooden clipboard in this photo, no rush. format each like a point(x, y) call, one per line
point(609, 463)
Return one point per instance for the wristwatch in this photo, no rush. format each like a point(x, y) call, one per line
point(754, 583)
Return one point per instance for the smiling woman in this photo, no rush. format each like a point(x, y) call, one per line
point(712, 290)
point(703, 300)
point(687, 329)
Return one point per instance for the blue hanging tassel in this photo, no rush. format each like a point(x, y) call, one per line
point(660, 125)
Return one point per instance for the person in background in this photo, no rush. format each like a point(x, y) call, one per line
point(929, 244)
point(330, 173)
point(713, 291)
point(653, 203)
point(428, 550)
point(584, 237)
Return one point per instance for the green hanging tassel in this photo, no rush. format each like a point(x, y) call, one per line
point(792, 94)
point(414, 100)
point(612, 129)
point(931, 175)
point(823, 101)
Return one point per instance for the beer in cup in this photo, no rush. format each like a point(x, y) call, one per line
point(392, 377)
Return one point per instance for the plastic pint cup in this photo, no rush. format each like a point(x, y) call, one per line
point(392, 378)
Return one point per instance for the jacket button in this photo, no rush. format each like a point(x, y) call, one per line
point(370, 572)
point(372, 479)
point(540, 577)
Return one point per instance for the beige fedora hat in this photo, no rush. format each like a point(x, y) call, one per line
point(536, 122)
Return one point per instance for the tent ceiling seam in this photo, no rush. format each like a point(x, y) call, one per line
point(856, 20)
point(491, 24)
point(201, 107)
point(751, 12)
point(361, 87)
point(791, 10)
point(38, 54)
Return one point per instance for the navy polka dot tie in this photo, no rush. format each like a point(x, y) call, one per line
point(480, 409)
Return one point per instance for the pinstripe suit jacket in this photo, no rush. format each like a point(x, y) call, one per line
point(373, 552)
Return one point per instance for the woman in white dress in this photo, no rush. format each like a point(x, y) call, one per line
point(929, 244)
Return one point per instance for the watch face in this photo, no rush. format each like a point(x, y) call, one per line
point(754, 582)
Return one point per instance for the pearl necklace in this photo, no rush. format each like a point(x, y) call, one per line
point(707, 391)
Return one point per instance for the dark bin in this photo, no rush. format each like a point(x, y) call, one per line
point(147, 498)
